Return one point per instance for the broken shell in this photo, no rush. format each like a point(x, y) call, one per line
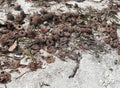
point(12, 47)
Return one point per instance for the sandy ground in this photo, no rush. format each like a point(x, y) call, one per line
point(91, 73)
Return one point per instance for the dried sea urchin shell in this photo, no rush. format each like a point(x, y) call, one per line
point(32, 66)
point(5, 77)
point(49, 59)
point(10, 26)
point(10, 17)
point(19, 27)
point(19, 19)
point(22, 33)
point(31, 34)
point(17, 7)
point(35, 19)
point(35, 47)
point(22, 14)
point(51, 49)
